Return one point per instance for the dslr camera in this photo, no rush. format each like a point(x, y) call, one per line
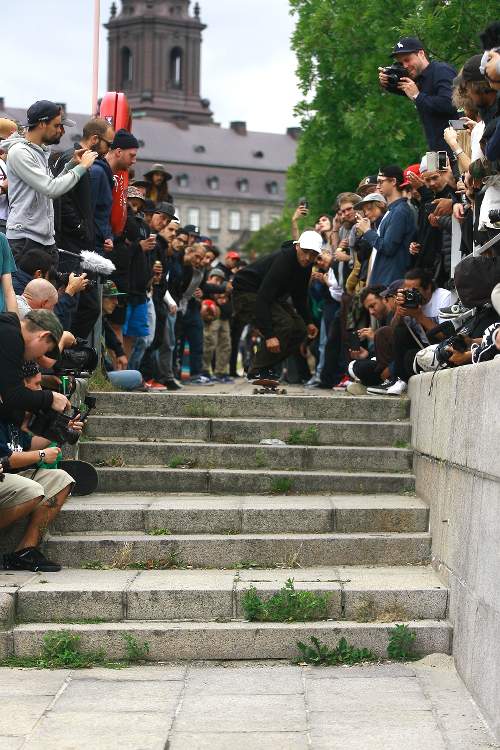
point(395, 73)
point(79, 360)
point(55, 427)
point(442, 353)
point(413, 298)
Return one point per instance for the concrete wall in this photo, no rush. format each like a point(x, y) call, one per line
point(456, 437)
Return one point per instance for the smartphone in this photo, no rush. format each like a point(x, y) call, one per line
point(304, 202)
point(432, 161)
point(353, 341)
point(442, 160)
point(457, 124)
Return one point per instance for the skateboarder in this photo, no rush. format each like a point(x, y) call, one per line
point(261, 294)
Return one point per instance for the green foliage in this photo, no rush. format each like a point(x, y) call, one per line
point(93, 565)
point(320, 655)
point(309, 436)
point(159, 532)
point(179, 462)
point(288, 605)
point(350, 127)
point(246, 565)
point(269, 238)
point(198, 409)
point(98, 381)
point(136, 651)
point(281, 486)
point(401, 644)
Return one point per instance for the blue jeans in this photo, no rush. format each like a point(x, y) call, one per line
point(137, 353)
point(127, 380)
point(190, 328)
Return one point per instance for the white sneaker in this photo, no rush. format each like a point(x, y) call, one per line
point(398, 389)
point(356, 389)
point(380, 390)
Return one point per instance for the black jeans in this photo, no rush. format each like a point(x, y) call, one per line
point(21, 246)
point(288, 327)
point(405, 348)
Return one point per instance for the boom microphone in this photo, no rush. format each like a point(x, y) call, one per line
point(96, 263)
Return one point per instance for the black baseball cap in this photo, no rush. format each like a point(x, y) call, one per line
point(392, 289)
point(191, 229)
point(470, 71)
point(392, 170)
point(44, 111)
point(406, 45)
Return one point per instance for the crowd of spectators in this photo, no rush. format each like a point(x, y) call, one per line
point(402, 277)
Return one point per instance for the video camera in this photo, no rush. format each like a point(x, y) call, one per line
point(55, 427)
point(79, 360)
point(395, 73)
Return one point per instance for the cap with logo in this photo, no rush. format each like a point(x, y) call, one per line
point(109, 289)
point(310, 240)
point(406, 45)
point(233, 255)
point(44, 111)
point(414, 169)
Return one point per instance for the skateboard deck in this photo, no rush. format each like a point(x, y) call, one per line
point(84, 474)
point(266, 385)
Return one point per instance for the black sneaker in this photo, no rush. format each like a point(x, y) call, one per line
point(457, 310)
point(265, 373)
point(29, 558)
point(382, 388)
point(173, 385)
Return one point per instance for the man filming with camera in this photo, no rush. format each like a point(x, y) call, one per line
point(428, 84)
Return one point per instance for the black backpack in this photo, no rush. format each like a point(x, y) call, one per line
point(475, 278)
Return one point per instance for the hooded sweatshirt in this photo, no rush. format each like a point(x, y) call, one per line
point(32, 187)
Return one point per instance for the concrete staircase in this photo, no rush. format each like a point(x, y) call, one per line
point(184, 482)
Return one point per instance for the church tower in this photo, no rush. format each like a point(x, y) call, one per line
point(154, 58)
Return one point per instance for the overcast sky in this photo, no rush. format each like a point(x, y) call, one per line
point(247, 65)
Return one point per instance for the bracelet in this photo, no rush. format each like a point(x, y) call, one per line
point(457, 153)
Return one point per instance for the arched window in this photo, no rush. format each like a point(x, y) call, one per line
point(176, 68)
point(127, 67)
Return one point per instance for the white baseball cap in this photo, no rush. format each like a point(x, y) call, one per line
point(310, 240)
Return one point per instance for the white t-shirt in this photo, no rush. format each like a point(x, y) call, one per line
point(440, 298)
point(333, 286)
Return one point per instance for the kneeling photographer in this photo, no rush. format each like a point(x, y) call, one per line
point(417, 313)
point(33, 479)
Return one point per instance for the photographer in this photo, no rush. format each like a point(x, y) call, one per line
point(37, 490)
point(427, 84)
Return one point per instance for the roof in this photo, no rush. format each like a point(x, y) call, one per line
point(165, 142)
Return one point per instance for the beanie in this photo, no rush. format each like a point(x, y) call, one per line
point(124, 139)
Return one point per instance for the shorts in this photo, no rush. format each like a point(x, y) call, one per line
point(17, 489)
point(136, 320)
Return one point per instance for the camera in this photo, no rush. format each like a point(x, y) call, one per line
point(413, 298)
point(494, 215)
point(61, 278)
point(442, 353)
point(394, 73)
point(55, 427)
point(80, 360)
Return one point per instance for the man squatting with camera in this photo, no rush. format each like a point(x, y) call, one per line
point(25, 489)
point(260, 296)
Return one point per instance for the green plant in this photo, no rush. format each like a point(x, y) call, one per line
point(401, 644)
point(401, 444)
point(260, 458)
point(171, 561)
point(62, 649)
point(136, 651)
point(93, 565)
point(281, 486)
point(229, 532)
point(246, 565)
point(116, 460)
point(179, 462)
point(159, 532)
point(200, 410)
point(309, 436)
point(99, 382)
point(288, 605)
point(344, 653)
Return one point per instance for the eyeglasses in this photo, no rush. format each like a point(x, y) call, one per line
point(380, 180)
point(108, 143)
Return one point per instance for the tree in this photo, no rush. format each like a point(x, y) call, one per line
point(350, 127)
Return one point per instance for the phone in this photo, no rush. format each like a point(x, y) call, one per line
point(431, 158)
point(442, 160)
point(353, 341)
point(457, 124)
point(304, 202)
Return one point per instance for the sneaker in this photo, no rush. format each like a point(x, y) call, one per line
point(380, 390)
point(356, 389)
point(29, 558)
point(342, 385)
point(224, 379)
point(154, 385)
point(201, 380)
point(398, 389)
point(173, 385)
point(313, 382)
point(265, 373)
point(456, 311)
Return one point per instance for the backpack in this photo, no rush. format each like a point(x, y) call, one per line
point(475, 278)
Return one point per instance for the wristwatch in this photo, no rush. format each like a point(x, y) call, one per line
point(42, 455)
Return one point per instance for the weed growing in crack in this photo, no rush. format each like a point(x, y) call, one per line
point(288, 605)
point(309, 436)
point(159, 532)
point(344, 653)
point(136, 651)
point(401, 644)
point(280, 486)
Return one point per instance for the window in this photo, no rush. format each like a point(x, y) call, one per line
point(127, 67)
point(194, 216)
point(214, 219)
point(272, 187)
point(234, 221)
point(183, 180)
point(213, 183)
point(176, 68)
point(255, 221)
point(243, 185)
point(258, 154)
point(199, 149)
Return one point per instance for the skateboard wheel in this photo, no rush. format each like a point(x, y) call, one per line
point(255, 391)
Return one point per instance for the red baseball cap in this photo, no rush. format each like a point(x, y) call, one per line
point(233, 255)
point(415, 168)
point(209, 303)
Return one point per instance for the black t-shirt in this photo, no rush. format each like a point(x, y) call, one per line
point(16, 398)
point(13, 440)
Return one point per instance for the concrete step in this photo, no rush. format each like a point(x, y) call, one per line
point(233, 640)
point(358, 594)
point(334, 406)
point(206, 514)
point(242, 481)
point(223, 456)
point(233, 430)
point(227, 550)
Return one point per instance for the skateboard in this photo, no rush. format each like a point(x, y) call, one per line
point(268, 386)
point(84, 474)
